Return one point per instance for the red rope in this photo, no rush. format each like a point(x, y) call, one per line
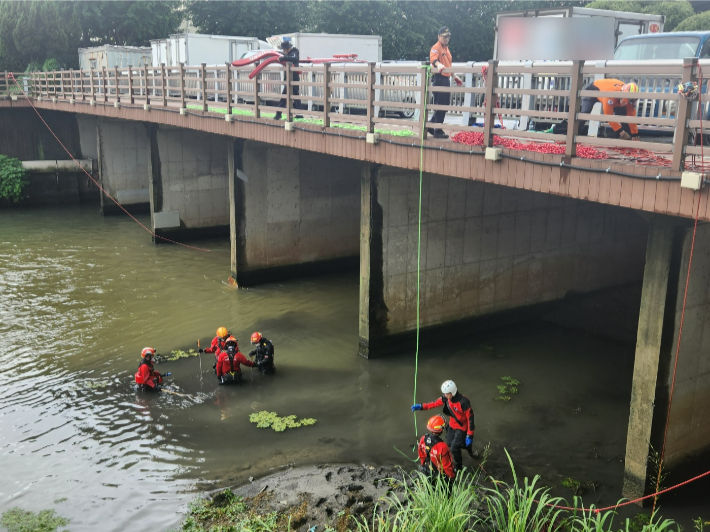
point(12, 76)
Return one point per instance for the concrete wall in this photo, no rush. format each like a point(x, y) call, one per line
point(188, 182)
point(487, 248)
point(299, 213)
point(689, 423)
point(124, 168)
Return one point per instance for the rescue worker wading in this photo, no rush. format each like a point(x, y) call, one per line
point(218, 345)
point(264, 353)
point(624, 106)
point(434, 454)
point(290, 55)
point(146, 377)
point(461, 428)
point(228, 370)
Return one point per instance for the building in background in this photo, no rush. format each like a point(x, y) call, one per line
point(110, 56)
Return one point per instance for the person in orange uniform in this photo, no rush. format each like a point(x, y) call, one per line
point(228, 370)
point(146, 376)
point(625, 105)
point(440, 60)
point(434, 454)
point(461, 429)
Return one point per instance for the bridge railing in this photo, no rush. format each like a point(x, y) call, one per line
point(522, 97)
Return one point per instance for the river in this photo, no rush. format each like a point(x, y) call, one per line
point(81, 295)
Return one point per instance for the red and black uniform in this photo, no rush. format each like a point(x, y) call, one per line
point(147, 376)
point(435, 456)
point(461, 423)
point(218, 345)
point(264, 353)
point(228, 366)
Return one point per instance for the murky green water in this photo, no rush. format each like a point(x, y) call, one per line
point(80, 295)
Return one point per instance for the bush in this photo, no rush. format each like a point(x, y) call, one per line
point(13, 179)
point(699, 22)
point(50, 65)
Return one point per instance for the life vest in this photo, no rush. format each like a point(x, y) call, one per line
point(140, 379)
point(430, 440)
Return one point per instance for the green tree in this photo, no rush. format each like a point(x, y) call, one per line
point(675, 12)
point(699, 22)
point(249, 19)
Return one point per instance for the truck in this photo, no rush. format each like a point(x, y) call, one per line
point(193, 49)
point(367, 47)
point(624, 23)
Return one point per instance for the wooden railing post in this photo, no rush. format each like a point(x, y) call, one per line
point(370, 97)
point(203, 85)
point(182, 85)
point(104, 82)
point(576, 80)
point(488, 115)
point(326, 95)
point(682, 115)
point(163, 84)
point(6, 83)
point(228, 87)
point(81, 84)
point(257, 114)
point(145, 78)
point(289, 92)
point(91, 84)
point(115, 83)
point(130, 84)
point(423, 96)
point(71, 84)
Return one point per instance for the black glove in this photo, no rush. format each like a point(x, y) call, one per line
point(200, 350)
point(252, 353)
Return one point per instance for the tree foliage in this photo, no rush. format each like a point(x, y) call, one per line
point(675, 12)
point(13, 179)
point(699, 22)
point(34, 31)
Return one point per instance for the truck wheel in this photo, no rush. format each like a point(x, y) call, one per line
point(407, 113)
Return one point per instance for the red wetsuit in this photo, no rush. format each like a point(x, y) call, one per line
point(224, 365)
point(217, 346)
point(147, 376)
point(459, 408)
point(435, 455)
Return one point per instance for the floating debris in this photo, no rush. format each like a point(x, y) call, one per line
point(176, 355)
point(265, 419)
point(509, 388)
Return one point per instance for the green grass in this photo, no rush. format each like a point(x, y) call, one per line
point(19, 520)
point(314, 121)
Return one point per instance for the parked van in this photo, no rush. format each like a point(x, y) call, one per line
point(676, 45)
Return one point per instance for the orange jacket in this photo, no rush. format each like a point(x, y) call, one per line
point(441, 53)
point(610, 104)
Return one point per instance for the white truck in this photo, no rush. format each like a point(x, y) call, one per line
point(193, 49)
point(367, 47)
point(623, 24)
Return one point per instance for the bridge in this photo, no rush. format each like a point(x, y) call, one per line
point(506, 228)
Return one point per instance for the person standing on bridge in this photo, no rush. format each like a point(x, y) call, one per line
point(290, 55)
point(624, 106)
point(440, 60)
point(461, 427)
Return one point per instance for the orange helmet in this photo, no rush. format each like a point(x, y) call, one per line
point(256, 338)
point(230, 340)
point(222, 332)
point(436, 424)
point(147, 351)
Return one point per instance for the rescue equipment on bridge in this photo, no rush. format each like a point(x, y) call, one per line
point(268, 57)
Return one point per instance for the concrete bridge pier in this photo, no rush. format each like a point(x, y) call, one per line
point(292, 212)
point(489, 254)
point(187, 183)
point(667, 257)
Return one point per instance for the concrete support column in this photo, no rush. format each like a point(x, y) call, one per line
point(236, 205)
point(648, 353)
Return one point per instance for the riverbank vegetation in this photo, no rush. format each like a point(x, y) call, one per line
point(13, 179)
point(415, 503)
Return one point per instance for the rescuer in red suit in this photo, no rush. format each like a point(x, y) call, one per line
point(146, 376)
point(434, 455)
point(461, 427)
point(228, 370)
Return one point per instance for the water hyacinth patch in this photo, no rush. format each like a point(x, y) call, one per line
point(265, 420)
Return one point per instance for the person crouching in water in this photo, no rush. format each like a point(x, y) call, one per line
point(434, 455)
point(228, 370)
point(264, 353)
point(147, 378)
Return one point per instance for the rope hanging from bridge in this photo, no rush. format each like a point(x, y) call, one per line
point(12, 76)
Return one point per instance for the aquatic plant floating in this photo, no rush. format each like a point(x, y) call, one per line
point(176, 355)
point(265, 420)
point(506, 390)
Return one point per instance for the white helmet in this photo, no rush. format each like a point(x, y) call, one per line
point(449, 387)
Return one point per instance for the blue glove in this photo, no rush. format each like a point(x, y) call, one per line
point(469, 441)
point(416, 407)
point(167, 374)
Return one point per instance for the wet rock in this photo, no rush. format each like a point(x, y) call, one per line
point(320, 501)
point(354, 487)
point(328, 476)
